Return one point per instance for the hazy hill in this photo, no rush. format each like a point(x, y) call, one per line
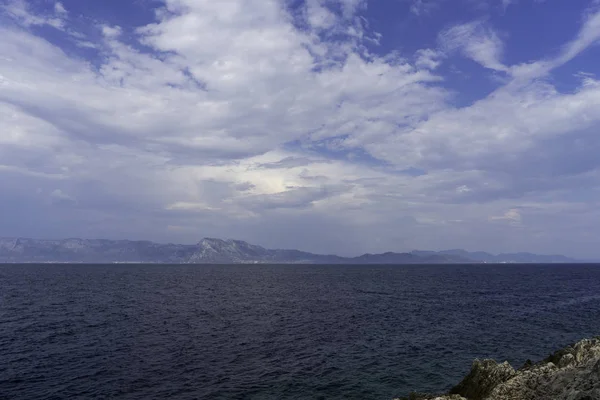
point(218, 251)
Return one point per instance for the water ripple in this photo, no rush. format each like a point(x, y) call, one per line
point(278, 332)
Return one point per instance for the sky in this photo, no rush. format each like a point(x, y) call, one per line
point(331, 126)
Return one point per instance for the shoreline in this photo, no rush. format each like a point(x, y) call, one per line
point(571, 373)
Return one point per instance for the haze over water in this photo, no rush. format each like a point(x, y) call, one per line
point(278, 332)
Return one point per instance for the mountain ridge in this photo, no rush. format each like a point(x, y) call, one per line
point(230, 251)
point(520, 257)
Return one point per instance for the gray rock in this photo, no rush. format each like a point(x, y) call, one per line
point(419, 396)
point(484, 377)
point(568, 374)
point(572, 373)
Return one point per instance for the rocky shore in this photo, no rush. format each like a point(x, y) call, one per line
point(572, 373)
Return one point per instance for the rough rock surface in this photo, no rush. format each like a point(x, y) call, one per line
point(572, 373)
point(484, 377)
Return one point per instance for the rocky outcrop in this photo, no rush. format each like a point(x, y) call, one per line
point(484, 377)
point(572, 373)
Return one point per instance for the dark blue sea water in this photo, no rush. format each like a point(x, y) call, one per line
point(278, 332)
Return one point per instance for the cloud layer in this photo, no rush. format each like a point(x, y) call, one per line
point(288, 126)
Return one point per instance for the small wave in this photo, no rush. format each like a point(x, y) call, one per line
point(373, 292)
point(578, 300)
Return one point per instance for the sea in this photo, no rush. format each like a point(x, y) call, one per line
point(278, 331)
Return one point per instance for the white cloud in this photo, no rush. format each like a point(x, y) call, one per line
point(245, 124)
point(477, 41)
point(512, 216)
point(86, 44)
point(588, 35)
point(60, 9)
point(59, 197)
point(423, 7)
point(111, 32)
point(181, 205)
point(506, 3)
point(20, 10)
point(319, 16)
point(351, 7)
point(428, 58)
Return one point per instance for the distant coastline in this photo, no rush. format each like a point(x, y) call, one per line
point(219, 251)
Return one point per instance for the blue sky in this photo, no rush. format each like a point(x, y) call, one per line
point(337, 126)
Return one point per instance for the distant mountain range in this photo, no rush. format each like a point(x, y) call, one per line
point(481, 256)
point(218, 251)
